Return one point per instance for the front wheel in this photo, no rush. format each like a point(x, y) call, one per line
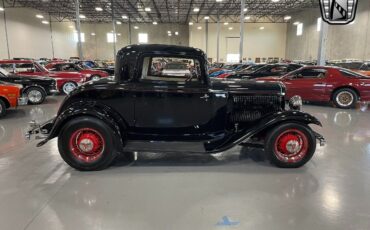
point(35, 95)
point(290, 145)
point(87, 144)
point(69, 87)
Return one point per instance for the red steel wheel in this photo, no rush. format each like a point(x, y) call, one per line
point(87, 145)
point(291, 146)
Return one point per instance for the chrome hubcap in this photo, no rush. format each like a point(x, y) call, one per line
point(34, 96)
point(293, 146)
point(68, 87)
point(86, 145)
point(344, 98)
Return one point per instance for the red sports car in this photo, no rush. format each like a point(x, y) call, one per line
point(66, 81)
point(316, 83)
point(90, 74)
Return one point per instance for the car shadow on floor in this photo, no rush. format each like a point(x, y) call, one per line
point(235, 156)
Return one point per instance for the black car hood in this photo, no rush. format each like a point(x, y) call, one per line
point(239, 86)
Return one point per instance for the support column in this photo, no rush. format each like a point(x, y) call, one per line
point(321, 57)
point(218, 37)
point(6, 31)
point(51, 37)
point(129, 31)
point(206, 36)
point(78, 27)
point(241, 46)
point(114, 31)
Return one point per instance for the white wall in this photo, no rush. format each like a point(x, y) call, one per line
point(344, 41)
point(270, 42)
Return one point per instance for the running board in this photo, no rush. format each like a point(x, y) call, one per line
point(164, 146)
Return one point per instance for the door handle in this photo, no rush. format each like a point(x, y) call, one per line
point(205, 96)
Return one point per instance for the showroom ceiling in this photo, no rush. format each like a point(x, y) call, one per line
point(167, 11)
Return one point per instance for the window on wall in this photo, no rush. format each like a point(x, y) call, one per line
point(75, 37)
point(319, 21)
point(232, 58)
point(300, 29)
point(111, 37)
point(143, 38)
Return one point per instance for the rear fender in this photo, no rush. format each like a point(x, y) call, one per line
point(93, 109)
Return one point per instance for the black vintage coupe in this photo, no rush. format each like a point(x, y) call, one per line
point(35, 88)
point(143, 109)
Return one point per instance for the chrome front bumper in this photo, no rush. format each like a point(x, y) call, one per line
point(54, 91)
point(22, 101)
point(39, 131)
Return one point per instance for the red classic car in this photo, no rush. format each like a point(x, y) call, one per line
point(90, 74)
point(66, 81)
point(10, 97)
point(316, 83)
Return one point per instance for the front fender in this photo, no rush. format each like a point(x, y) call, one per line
point(86, 108)
point(264, 124)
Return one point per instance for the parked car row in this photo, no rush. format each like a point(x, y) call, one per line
point(25, 81)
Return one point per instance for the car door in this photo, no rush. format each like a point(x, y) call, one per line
point(177, 106)
point(308, 83)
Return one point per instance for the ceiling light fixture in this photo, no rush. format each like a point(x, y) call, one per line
point(262, 28)
point(218, 0)
point(82, 16)
point(98, 9)
point(176, 33)
point(39, 16)
point(199, 27)
point(44, 22)
point(2, 9)
point(155, 23)
point(245, 9)
point(118, 22)
point(275, 0)
point(206, 17)
point(147, 9)
point(93, 34)
point(136, 27)
point(196, 9)
point(169, 32)
point(226, 23)
point(124, 17)
point(230, 28)
point(296, 23)
point(286, 18)
point(191, 23)
point(247, 18)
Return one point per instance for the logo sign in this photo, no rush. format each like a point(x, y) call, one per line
point(338, 12)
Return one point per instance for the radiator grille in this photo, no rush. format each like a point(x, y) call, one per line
point(251, 108)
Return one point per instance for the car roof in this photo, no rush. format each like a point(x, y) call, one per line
point(144, 48)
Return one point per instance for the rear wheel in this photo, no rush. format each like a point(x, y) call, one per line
point(345, 98)
point(95, 77)
point(35, 95)
point(69, 87)
point(290, 145)
point(2, 108)
point(87, 144)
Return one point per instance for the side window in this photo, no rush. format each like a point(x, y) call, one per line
point(25, 68)
point(312, 73)
point(7, 67)
point(171, 69)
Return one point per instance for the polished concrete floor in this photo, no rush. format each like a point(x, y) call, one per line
point(162, 191)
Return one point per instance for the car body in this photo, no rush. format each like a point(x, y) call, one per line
point(36, 88)
point(10, 97)
point(246, 70)
point(66, 81)
point(95, 66)
point(89, 74)
point(266, 70)
point(143, 110)
point(320, 83)
point(175, 69)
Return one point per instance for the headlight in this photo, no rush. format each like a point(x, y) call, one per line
point(295, 103)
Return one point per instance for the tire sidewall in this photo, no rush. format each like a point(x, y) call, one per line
point(271, 139)
point(3, 110)
point(354, 94)
point(107, 133)
point(42, 93)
